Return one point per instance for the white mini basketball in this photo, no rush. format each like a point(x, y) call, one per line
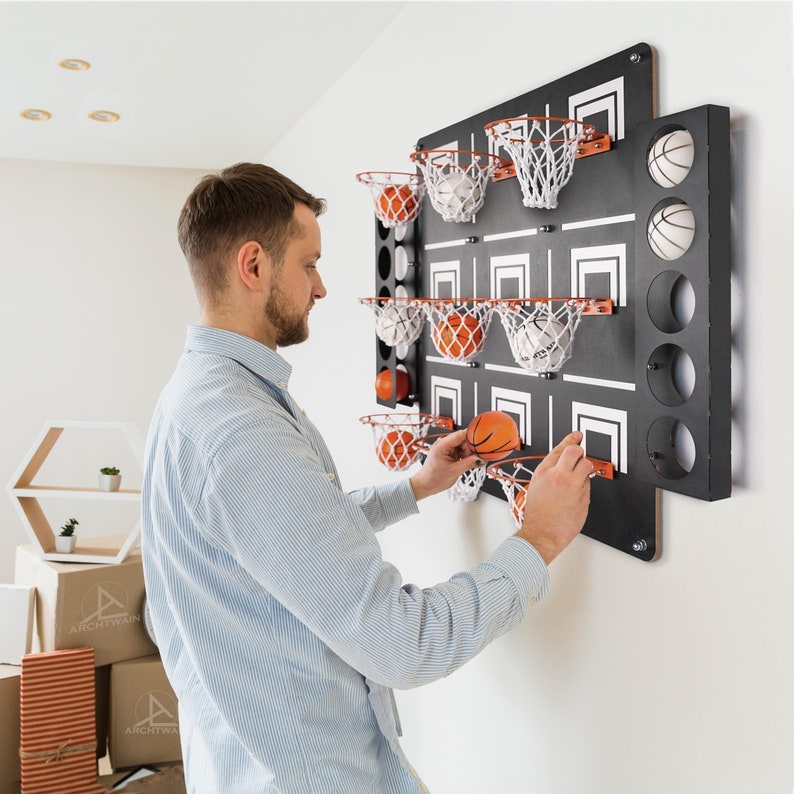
point(670, 159)
point(399, 325)
point(456, 196)
point(541, 343)
point(671, 231)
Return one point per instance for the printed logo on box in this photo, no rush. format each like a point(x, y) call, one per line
point(104, 606)
point(155, 713)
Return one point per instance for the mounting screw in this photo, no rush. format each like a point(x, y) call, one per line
point(418, 146)
point(639, 545)
point(472, 364)
point(652, 366)
point(413, 264)
point(546, 228)
point(653, 455)
point(547, 375)
point(600, 309)
point(470, 240)
point(635, 57)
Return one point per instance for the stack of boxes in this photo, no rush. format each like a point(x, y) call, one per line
point(101, 607)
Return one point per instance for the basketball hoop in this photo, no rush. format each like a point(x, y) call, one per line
point(459, 326)
point(396, 436)
point(456, 179)
point(397, 203)
point(398, 321)
point(515, 476)
point(544, 149)
point(467, 487)
point(540, 335)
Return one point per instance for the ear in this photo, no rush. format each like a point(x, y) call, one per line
point(251, 261)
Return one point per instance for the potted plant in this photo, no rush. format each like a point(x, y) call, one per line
point(65, 542)
point(109, 478)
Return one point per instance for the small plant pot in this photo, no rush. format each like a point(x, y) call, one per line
point(65, 545)
point(109, 482)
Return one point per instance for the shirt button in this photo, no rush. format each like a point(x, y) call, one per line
point(331, 476)
point(532, 601)
point(282, 385)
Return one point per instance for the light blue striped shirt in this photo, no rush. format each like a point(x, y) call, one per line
point(281, 627)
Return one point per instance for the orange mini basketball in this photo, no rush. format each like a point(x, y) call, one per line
point(396, 449)
point(458, 336)
point(493, 435)
point(397, 202)
point(385, 384)
point(517, 507)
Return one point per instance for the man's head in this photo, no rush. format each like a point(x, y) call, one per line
point(237, 230)
point(245, 202)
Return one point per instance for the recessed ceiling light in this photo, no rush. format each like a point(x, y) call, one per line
point(75, 64)
point(103, 115)
point(34, 114)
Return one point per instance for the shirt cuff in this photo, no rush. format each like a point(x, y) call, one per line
point(398, 500)
point(522, 562)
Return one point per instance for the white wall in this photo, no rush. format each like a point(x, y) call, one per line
point(631, 678)
point(94, 299)
point(667, 678)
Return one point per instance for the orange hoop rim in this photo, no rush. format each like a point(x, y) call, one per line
point(364, 176)
point(387, 420)
point(494, 471)
point(500, 162)
point(588, 129)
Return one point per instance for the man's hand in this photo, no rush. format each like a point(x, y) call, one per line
point(558, 498)
point(447, 459)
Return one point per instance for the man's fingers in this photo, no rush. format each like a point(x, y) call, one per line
point(571, 441)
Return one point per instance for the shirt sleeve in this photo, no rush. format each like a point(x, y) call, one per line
point(271, 502)
point(386, 504)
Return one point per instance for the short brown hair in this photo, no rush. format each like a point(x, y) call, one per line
point(247, 201)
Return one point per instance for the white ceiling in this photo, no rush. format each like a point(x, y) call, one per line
point(197, 84)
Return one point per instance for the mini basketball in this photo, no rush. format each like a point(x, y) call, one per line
point(542, 342)
point(397, 203)
point(456, 195)
point(517, 504)
point(399, 325)
point(493, 435)
point(396, 450)
point(385, 384)
point(670, 158)
point(458, 336)
point(671, 231)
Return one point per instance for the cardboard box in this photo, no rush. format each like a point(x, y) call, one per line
point(9, 729)
point(16, 607)
point(57, 722)
point(144, 723)
point(82, 604)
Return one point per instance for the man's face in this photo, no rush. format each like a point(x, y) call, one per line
point(296, 283)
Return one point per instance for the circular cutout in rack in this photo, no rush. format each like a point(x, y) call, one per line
point(671, 301)
point(670, 156)
point(384, 263)
point(671, 448)
point(400, 263)
point(671, 229)
point(671, 375)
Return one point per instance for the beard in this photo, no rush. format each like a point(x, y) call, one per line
point(292, 327)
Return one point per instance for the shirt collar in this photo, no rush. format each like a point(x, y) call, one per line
point(253, 355)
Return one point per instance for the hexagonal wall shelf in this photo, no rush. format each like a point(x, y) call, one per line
point(26, 495)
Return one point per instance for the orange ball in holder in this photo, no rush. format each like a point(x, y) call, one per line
point(397, 202)
point(458, 336)
point(385, 383)
point(396, 449)
point(493, 435)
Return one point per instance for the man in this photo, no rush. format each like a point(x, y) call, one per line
point(280, 626)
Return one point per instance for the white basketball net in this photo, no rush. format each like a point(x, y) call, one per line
point(397, 436)
point(459, 328)
point(514, 483)
point(467, 487)
point(543, 151)
point(398, 321)
point(456, 190)
point(541, 337)
point(397, 198)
